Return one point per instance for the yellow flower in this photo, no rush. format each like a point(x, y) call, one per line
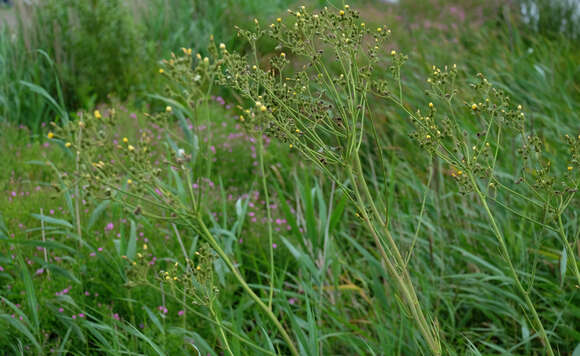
point(130, 148)
point(97, 114)
point(379, 29)
point(168, 109)
point(125, 139)
point(570, 168)
point(145, 246)
point(278, 19)
point(161, 71)
point(431, 105)
point(222, 46)
point(67, 145)
point(129, 181)
point(283, 55)
point(50, 135)
point(393, 52)
point(263, 108)
point(341, 12)
point(474, 106)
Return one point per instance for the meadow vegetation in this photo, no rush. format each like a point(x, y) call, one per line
point(293, 178)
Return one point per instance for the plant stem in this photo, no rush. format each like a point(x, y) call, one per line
point(269, 216)
point(214, 244)
point(77, 190)
point(403, 278)
point(505, 252)
point(569, 249)
point(219, 324)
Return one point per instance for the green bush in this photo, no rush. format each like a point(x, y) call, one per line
point(93, 48)
point(95, 45)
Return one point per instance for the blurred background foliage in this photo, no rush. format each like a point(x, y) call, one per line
point(84, 51)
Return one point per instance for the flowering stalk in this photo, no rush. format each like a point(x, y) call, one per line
point(324, 120)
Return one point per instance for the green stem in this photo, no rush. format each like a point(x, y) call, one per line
point(269, 216)
point(569, 249)
point(207, 234)
point(403, 279)
point(222, 333)
point(505, 252)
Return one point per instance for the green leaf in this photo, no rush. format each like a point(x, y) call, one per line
point(30, 294)
point(18, 325)
point(97, 213)
point(563, 265)
point(576, 351)
point(53, 221)
point(42, 92)
point(132, 244)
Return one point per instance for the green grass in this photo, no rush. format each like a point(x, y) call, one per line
point(331, 292)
